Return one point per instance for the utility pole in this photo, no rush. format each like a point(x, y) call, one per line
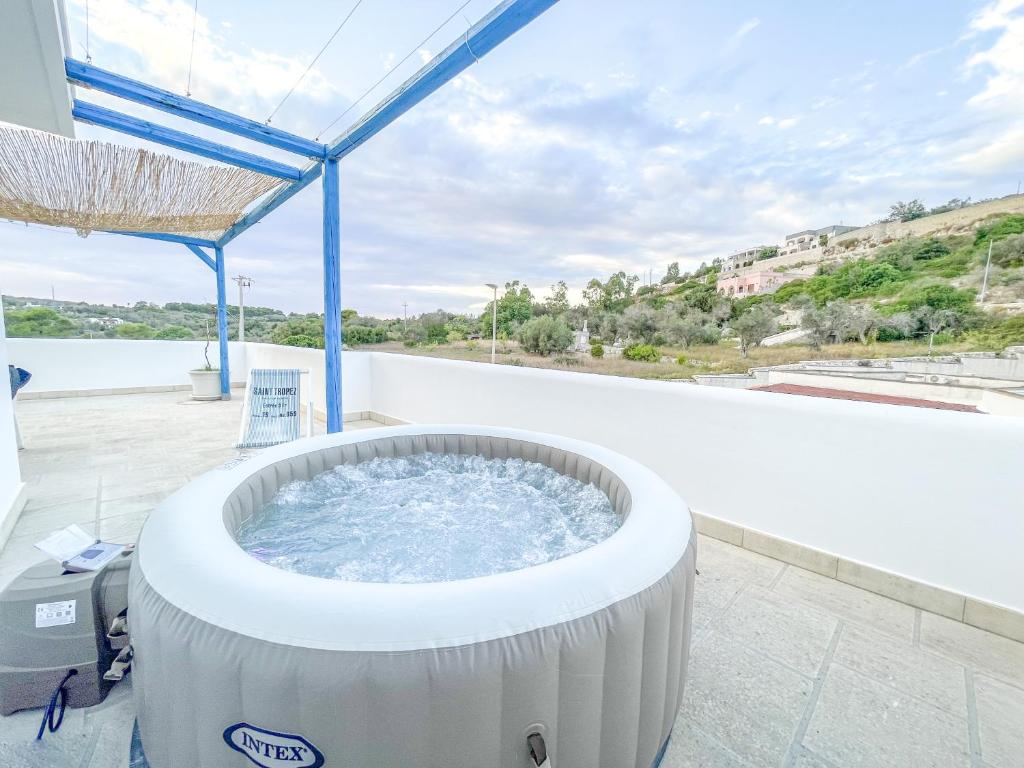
point(243, 283)
point(984, 282)
point(405, 317)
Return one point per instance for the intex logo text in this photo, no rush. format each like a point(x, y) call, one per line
point(270, 749)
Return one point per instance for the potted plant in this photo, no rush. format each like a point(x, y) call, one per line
point(206, 380)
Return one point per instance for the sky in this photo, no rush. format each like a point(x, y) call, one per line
point(603, 136)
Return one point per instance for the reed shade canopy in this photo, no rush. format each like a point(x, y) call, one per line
point(93, 185)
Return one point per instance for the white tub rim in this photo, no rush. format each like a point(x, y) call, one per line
point(187, 554)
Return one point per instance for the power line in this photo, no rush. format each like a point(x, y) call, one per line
point(192, 51)
point(388, 74)
point(88, 56)
point(315, 59)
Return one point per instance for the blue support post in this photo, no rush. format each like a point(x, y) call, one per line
point(203, 257)
point(222, 328)
point(93, 114)
point(332, 294)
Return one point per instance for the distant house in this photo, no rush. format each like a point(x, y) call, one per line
point(106, 322)
point(742, 258)
point(754, 283)
point(813, 240)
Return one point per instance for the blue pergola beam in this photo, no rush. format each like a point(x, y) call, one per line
point(108, 118)
point(332, 294)
point(222, 325)
point(497, 26)
point(182, 239)
point(275, 200)
point(211, 263)
point(80, 73)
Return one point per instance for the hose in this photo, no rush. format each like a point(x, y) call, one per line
point(60, 693)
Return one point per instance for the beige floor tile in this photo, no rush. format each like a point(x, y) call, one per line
point(743, 700)
point(859, 723)
point(785, 630)
point(1000, 722)
point(996, 656)
point(898, 664)
point(691, 747)
point(848, 603)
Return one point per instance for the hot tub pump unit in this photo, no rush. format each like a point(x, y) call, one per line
point(63, 631)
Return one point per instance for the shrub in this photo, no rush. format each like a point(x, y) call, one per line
point(135, 331)
point(569, 361)
point(597, 350)
point(644, 353)
point(514, 361)
point(545, 334)
point(681, 360)
point(1000, 228)
point(301, 340)
point(362, 334)
point(172, 332)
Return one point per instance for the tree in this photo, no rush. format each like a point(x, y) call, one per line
point(611, 296)
point(768, 253)
point(135, 331)
point(671, 274)
point(907, 211)
point(309, 326)
point(174, 332)
point(557, 303)
point(755, 325)
point(37, 321)
point(515, 307)
point(640, 322)
point(936, 321)
point(544, 335)
point(825, 325)
point(864, 322)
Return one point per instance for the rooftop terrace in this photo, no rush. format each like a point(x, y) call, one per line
point(789, 667)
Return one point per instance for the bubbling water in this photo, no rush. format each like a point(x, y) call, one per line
point(426, 518)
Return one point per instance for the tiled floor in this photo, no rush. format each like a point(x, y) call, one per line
point(788, 668)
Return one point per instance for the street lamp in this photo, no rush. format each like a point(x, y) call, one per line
point(494, 318)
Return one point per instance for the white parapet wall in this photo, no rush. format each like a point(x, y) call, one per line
point(933, 496)
point(11, 486)
point(69, 366)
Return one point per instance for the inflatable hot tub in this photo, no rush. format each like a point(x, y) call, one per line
point(240, 663)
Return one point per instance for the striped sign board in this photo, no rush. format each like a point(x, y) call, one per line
point(270, 414)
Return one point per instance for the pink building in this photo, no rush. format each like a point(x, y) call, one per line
point(753, 283)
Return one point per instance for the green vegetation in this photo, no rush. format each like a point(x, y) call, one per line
point(643, 353)
point(545, 334)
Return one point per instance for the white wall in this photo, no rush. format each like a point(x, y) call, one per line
point(932, 495)
point(61, 365)
point(10, 473)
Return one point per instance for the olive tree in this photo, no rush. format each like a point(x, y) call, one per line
point(545, 334)
point(755, 325)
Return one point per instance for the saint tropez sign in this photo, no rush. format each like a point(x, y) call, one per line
point(271, 749)
point(271, 412)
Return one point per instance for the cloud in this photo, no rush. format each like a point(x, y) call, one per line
point(748, 26)
point(1004, 60)
point(158, 35)
point(780, 123)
